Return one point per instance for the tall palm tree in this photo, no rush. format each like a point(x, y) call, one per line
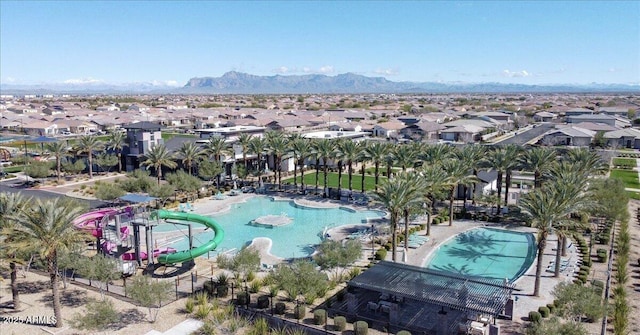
point(301, 150)
point(244, 139)
point(278, 146)
point(586, 160)
point(88, 144)
point(11, 203)
point(59, 151)
point(325, 149)
point(190, 153)
point(434, 154)
point(538, 160)
point(414, 200)
point(376, 152)
point(393, 195)
point(406, 156)
point(47, 229)
point(338, 157)
point(513, 153)
point(434, 180)
point(389, 159)
point(547, 205)
point(472, 156)
point(215, 148)
point(157, 157)
point(350, 151)
point(498, 160)
point(116, 141)
point(457, 173)
point(258, 146)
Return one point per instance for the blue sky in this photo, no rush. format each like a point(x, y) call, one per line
point(540, 42)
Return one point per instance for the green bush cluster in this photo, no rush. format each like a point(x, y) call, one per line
point(361, 328)
point(602, 255)
point(243, 299)
point(552, 308)
point(381, 254)
point(544, 311)
point(403, 332)
point(319, 316)
point(263, 301)
point(299, 312)
point(340, 322)
point(535, 316)
point(280, 308)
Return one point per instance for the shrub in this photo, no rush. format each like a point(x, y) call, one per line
point(319, 316)
point(299, 312)
point(544, 311)
point(403, 332)
point(243, 298)
point(188, 306)
point(340, 322)
point(361, 328)
point(552, 308)
point(535, 316)
point(209, 286)
point(280, 308)
point(381, 254)
point(263, 301)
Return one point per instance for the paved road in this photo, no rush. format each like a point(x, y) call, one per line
point(527, 136)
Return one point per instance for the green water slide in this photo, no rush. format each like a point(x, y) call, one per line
point(187, 255)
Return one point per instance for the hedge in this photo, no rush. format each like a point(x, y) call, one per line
point(544, 311)
point(340, 322)
point(319, 316)
point(535, 316)
point(361, 328)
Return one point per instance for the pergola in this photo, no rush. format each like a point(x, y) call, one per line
point(459, 292)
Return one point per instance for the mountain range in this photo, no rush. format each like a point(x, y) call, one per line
point(243, 83)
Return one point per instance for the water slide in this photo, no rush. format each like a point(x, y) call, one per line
point(130, 256)
point(91, 220)
point(187, 255)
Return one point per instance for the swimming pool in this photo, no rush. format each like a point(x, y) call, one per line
point(292, 240)
point(486, 252)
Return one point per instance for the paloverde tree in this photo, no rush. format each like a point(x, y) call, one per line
point(115, 142)
point(58, 150)
point(89, 144)
point(337, 256)
point(46, 228)
point(157, 157)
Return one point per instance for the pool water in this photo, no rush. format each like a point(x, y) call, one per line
point(293, 240)
point(486, 252)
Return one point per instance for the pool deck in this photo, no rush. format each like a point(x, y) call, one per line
point(417, 256)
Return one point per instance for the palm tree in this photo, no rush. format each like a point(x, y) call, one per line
point(116, 142)
point(11, 203)
point(587, 161)
point(325, 149)
point(244, 139)
point(59, 151)
point(338, 156)
point(258, 146)
point(434, 154)
point(434, 180)
point(278, 146)
point(538, 160)
point(301, 150)
point(158, 157)
point(512, 152)
point(548, 205)
point(215, 148)
point(472, 156)
point(393, 195)
point(498, 160)
point(376, 152)
point(406, 156)
point(414, 200)
point(47, 229)
point(190, 153)
point(457, 173)
point(350, 151)
point(88, 144)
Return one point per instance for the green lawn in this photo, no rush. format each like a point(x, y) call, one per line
point(633, 195)
point(624, 163)
point(332, 180)
point(628, 177)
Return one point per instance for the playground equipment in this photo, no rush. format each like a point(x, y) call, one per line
point(143, 255)
point(192, 253)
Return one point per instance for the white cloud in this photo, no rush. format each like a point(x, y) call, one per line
point(516, 74)
point(81, 81)
point(282, 69)
point(326, 69)
point(386, 72)
point(306, 69)
point(172, 83)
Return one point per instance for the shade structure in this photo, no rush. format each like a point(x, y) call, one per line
point(464, 293)
point(43, 139)
point(137, 198)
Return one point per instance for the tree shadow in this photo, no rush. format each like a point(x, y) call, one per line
point(73, 298)
point(33, 287)
point(130, 316)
